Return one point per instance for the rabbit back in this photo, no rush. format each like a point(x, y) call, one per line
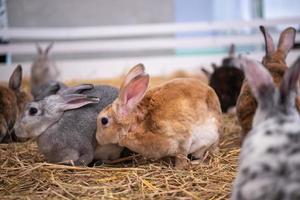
point(184, 111)
point(179, 100)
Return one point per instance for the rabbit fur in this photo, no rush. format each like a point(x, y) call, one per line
point(274, 61)
point(12, 103)
point(270, 157)
point(64, 124)
point(44, 73)
point(180, 117)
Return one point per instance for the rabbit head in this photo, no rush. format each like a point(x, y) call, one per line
point(113, 120)
point(272, 101)
point(38, 116)
point(286, 42)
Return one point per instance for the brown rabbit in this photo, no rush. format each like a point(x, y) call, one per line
point(180, 117)
point(12, 102)
point(274, 61)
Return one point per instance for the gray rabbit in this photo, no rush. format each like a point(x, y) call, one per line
point(64, 124)
point(44, 74)
point(269, 164)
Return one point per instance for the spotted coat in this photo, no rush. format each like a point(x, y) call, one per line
point(270, 162)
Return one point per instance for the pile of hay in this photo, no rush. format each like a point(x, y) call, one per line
point(24, 174)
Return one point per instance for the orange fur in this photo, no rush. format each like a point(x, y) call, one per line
point(246, 104)
point(163, 121)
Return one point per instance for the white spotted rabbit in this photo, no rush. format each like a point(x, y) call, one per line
point(269, 164)
point(180, 117)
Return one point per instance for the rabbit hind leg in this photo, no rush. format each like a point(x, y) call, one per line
point(69, 156)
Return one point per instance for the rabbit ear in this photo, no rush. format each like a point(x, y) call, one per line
point(288, 86)
point(260, 82)
point(135, 71)
point(287, 40)
point(270, 48)
point(54, 87)
point(132, 94)
point(39, 48)
point(76, 89)
point(48, 48)
point(50, 88)
point(231, 51)
point(73, 101)
point(15, 79)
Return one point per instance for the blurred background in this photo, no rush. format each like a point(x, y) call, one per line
point(100, 39)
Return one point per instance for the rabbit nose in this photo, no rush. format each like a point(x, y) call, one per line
point(20, 132)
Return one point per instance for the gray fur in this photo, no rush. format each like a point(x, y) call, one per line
point(43, 72)
point(67, 135)
point(47, 89)
point(269, 164)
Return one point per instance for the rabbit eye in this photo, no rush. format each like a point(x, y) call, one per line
point(33, 111)
point(104, 120)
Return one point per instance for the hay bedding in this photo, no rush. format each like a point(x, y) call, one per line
point(25, 175)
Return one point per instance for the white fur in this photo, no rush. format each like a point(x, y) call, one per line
point(204, 135)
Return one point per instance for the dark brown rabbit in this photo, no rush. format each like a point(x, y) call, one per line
point(274, 61)
point(227, 80)
point(12, 103)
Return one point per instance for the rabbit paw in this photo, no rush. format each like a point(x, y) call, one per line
point(182, 162)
